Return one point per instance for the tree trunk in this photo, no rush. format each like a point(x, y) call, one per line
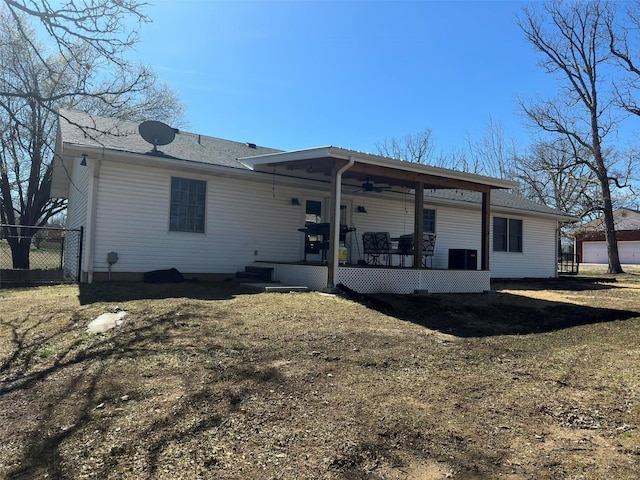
point(20, 252)
point(610, 235)
point(603, 176)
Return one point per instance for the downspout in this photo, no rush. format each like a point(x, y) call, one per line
point(335, 225)
point(92, 196)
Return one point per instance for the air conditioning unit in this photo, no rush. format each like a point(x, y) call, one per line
point(463, 259)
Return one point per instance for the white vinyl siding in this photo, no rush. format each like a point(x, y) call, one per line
point(76, 215)
point(455, 229)
point(249, 220)
point(79, 186)
point(244, 223)
point(539, 256)
point(459, 228)
point(382, 216)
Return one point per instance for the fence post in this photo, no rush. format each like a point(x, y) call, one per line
point(80, 256)
point(62, 252)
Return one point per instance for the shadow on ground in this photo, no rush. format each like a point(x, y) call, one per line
point(127, 291)
point(78, 388)
point(479, 315)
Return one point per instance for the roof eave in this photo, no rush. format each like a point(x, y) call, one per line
point(377, 160)
point(559, 216)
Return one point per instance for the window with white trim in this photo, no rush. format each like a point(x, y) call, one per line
point(188, 199)
point(507, 234)
point(429, 220)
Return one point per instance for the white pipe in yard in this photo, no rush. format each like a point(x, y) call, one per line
point(335, 249)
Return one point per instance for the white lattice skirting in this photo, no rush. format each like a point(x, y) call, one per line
point(387, 280)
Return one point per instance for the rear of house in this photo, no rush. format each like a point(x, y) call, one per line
point(198, 209)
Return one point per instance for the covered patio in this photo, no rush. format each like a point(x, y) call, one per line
point(340, 167)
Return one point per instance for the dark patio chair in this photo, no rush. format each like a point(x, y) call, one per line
point(428, 247)
point(405, 247)
point(377, 247)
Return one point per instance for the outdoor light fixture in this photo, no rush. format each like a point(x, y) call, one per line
point(361, 209)
point(83, 162)
point(295, 201)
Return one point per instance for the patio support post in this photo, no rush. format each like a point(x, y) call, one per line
point(418, 225)
point(334, 228)
point(486, 223)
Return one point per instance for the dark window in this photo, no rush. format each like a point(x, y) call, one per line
point(429, 219)
point(313, 212)
point(507, 235)
point(515, 235)
point(188, 198)
point(499, 234)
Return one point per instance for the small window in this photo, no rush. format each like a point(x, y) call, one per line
point(313, 212)
point(515, 235)
point(499, 234)
point(507, 235)
point(188, 198)
point(429, 220)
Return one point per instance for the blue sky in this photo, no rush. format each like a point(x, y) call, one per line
point(300, 74)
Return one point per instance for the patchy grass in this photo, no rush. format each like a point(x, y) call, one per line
point(539, 380)
point(44, 258)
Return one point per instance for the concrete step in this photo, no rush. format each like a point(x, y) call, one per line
point(285, 288)
point(254, 274)
point(276, 287)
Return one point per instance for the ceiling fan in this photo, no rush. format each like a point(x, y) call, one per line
point(369, 186)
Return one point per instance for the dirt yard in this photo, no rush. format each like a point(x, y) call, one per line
point(540, 380)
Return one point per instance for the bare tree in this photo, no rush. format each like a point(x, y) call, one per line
point(415, 147)
point(156, 102)
point(87, 34)
point(625, 47)
point(623, 43)
point(492, 154)
point(554, 174)
point(36, 83)
point(573, 40)
point(26, 129)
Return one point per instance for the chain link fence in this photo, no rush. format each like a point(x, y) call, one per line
point(31, 255)
point(568, 264)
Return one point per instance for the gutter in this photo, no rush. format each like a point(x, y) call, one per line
point(333, 265)
point(92, 200)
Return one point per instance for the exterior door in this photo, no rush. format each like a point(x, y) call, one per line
point(313, 246)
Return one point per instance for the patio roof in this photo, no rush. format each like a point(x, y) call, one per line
point(340, 164)
point(322, 161)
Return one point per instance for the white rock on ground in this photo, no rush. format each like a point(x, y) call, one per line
point(106, 321)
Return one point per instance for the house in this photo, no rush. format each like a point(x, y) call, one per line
point(591, 244)
point(211, 207)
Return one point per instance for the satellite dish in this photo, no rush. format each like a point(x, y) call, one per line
point(157, 133)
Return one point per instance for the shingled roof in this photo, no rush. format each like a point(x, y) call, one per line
point(501, 199)
point(85, 130)
point(624, 219)
point(82, 129)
